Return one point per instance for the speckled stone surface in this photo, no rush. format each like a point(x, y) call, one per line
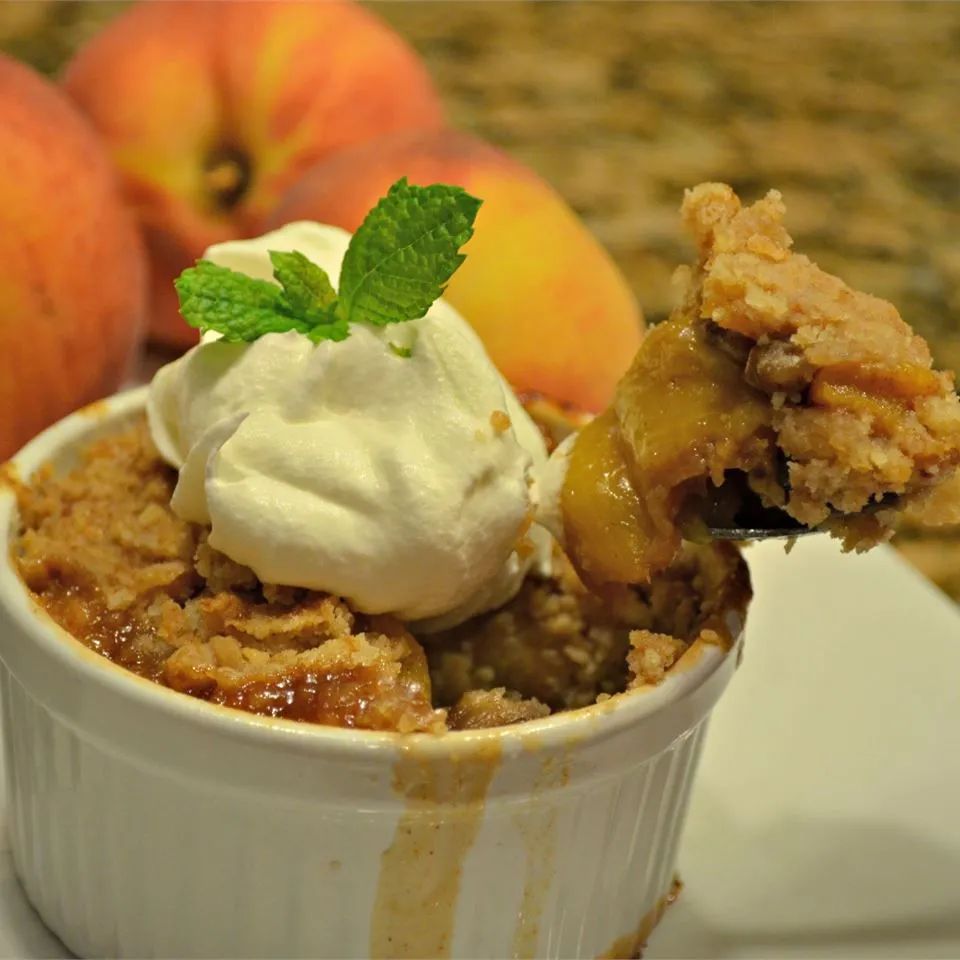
point(849, 108)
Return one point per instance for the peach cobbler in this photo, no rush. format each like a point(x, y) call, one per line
point(107, 557)
point(336, 510)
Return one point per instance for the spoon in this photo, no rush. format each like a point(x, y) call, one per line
point(734, 512)
point(754, 522)
point(759, 533)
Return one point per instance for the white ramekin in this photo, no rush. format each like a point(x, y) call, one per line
point(145, 823)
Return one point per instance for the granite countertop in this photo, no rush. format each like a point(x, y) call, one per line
point(848, 108)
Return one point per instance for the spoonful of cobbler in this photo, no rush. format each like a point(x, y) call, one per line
point(775, 401)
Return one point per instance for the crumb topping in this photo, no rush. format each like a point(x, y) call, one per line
point(103, 552)
point(500, 421)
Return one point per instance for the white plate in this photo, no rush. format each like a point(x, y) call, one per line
point(826, 819)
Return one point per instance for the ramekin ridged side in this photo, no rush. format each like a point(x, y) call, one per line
point(145, 823)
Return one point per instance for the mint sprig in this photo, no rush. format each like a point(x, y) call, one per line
point(398, 262)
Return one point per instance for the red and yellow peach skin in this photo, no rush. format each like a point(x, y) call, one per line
point(211, 110)
point(72, 269)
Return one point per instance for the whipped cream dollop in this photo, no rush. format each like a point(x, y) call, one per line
point(406, 484)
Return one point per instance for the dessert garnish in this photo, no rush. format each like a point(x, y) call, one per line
point(773, 389)
point(395, 266)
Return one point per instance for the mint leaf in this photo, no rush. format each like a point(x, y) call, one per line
point(310, 294)
point(235, 305)
point(404, 252)
point(306, 286)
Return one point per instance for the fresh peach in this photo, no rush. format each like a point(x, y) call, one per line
point(212, 109)
point(72, 269)
point(554, 311)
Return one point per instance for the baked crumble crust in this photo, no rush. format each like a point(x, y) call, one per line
point(564, 646)
point(103, 552)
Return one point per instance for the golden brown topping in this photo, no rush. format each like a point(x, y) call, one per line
point(777, 366)
point(478, 709)
point(499, 421)
point(356, 681)
point(564, 646)
point(110, 561)
point(651, 656)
